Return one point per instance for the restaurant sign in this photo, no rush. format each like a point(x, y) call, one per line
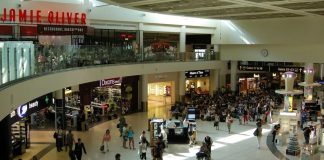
point(36, 16)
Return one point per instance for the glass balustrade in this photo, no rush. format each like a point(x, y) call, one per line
point(24, 59)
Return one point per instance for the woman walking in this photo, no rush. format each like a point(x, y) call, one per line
point(229, 121)
point(259, 132)
point(130, 137)
point(106, 138)
point(216, 122)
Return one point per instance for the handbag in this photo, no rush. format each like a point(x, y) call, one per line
point(256, 132)
point(102, 147)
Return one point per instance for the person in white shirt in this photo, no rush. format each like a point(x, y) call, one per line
point(170, 124)
point(142, 148)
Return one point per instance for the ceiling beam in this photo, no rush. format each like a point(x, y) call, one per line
point(204, 8)
point(147, 2)
point(241, 14)
point(268, 6)
point(290, 2)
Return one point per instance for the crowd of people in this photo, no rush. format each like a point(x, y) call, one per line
point(221, 107)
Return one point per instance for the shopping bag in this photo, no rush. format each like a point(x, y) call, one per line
point(256, 132)
point(102, 147)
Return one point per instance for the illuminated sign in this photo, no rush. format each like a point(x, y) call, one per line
point(288, 69)
point(110, 82)
point(197, 73)
point(22, 110)
point(12, 114)
point(36, 16)
point(33, 104)
point(252, 68)
point(61, 30)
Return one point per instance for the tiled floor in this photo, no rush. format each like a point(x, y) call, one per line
point(241, 144)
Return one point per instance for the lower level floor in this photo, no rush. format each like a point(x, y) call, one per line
point(239, 144)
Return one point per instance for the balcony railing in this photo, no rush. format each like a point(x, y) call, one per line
point(21, 60)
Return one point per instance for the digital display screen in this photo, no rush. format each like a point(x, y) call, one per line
point(191, 116)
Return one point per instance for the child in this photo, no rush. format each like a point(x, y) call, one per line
point(142, 148)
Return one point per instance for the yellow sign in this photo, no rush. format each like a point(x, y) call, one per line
point(290, 98)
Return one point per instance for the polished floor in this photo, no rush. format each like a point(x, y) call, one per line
point(240, 144)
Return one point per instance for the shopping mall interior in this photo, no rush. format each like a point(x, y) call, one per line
point(247, 74)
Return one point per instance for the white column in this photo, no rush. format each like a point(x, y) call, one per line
point(182, 83)
point(213, 81)
point(214, 40)
point(182, 47)
point(144, 94)
point(141, 40)
point(322, 71)
point(233, 75)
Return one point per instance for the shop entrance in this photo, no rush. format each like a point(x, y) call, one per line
point(160, 98)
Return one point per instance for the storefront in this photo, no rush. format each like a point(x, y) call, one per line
point(110, 97)
point(197, 82)
point(23, 118)
point(252, 77)
point(161, 93)
point(159, 46)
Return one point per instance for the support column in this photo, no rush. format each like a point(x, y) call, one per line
point(322, 71)
point(60, 109)
point(5, 139)
point(233, 75)
point(141, 40)
point(215, 46)
point(144, 83)
point(214, 81)
point(182, 83)
point(182, 47)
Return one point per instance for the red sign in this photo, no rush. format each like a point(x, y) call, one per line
point(6, 30)
point(28, 30)
point(61, 30)
point(35, 16)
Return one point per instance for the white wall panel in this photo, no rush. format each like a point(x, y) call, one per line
point(313, 53)
point(273, 31)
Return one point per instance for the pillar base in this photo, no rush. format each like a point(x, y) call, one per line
point(144, 107)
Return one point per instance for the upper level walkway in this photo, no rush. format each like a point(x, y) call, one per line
point(39, 70)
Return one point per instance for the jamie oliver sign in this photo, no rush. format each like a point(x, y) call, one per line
point(36, 16)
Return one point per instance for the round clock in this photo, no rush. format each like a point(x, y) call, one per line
point(264, 52)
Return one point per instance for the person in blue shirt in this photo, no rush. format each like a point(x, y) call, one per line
point(130, 134)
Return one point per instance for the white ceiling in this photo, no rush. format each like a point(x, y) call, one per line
point(228, 9)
